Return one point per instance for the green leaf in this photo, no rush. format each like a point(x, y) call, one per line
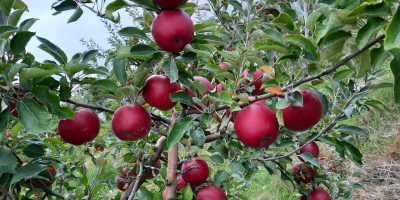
point(296, 99)
point(77, 14)
point(377, 10)
point(333, 37)
point(308, 157)
point(65, 5)
point(352, 130)
point(324, 101)
point(379, 106)
point(396, 73)
point(52, 102)
point(214, 39)
point(33, 151)
point(270, 34)
point(358, 173)
point(16, 129)
point(381, 85)
point(204, 24)
point(89, 56)
point(97, 188)
point(54, 140)
point(217, 159)
point(142, 51)
point(348, 4)
point(257, 60)
point(107, 85)
point(33, 116)
point(220, 176)
point(8, 162)
point(365, 34)
point(6, 6)
point(236, 166)
point(26, 24)
point(16, 68)
point(5, 112)
point(19, 41)
point(343, 75)
point(140, 78)
point(146, 4)
point(75, 68)
point(26, 172)
point(380, 55)
point(133, 32)
point(312, 20)
point(283, 103)
point(356, 155)
point(302, 42)
point(285, 22)
point(31, 73)
point(393, 32)
point(171, 70)
point(211, 68)
point(198, 137)
point(119, 69)
point(15, 17)
point(144, 194)
point(123, 52)
point(274, 48)
point(65, 91)
point(183, 97)
point(114, 6)
point(54, 50)
point(178, 130)
point(187, 193)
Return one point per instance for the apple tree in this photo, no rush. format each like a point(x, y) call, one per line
point(195, 99)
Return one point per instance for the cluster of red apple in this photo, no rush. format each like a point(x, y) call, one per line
point(318, 193)
point(125, 178)
point(172, 29)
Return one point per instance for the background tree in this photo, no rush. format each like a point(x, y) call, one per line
point(285, 73)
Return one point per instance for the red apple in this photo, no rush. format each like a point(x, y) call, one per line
point(52, 171)
point(257, 84)
point(156, 172)
point(131, 122)
point(311, 148)
point(169, 4)
point(235, 113)
point(223, 66)
point(157, 90)
point(209, 87)
point(181, 183)
point(298, 118)
point(172, 30)
point(124, 179)
point(211, 192)
point(297, 169)
point(84, 128)
point(195, 176)
point(256, 126)
point(319, 194)
point(219, 88)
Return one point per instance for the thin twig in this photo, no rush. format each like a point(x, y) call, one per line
point(139, 176)
point(4, 191)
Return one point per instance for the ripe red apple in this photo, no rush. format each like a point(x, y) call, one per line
point(297, 169)
point(311, 148)
point(256, 126)
point(195, 176)
point(124, 179)
point(319, 194)
point(52, 171)
point(219, 88)
point(131, 122)
point(172, 30)
point(223, 66)
point(211, 192)
point(169, 4)
point(257, 84)
point(156, 92)
point(206, 82)
point(298, 118)
point(84, 128)
point(156, 172)
point(181, 183)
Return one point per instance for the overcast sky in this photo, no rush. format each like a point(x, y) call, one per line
point(66, 36)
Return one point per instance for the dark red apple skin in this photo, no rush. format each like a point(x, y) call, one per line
point(297, 168)
point(156, 92)
point(156, 172)
point(52, 171)
point(211, 192)
point(223, 66)
point(256, 126)
point(182, 183)
point(195, 176)
point(122, 176)
point(131, 122)
point(319, 194)
point(311, 148)
point(169, 4)
point(84, 128)
point(257, 84)
point(303, 198)
point(172, 30)
point(298, 118)
point(209, 87)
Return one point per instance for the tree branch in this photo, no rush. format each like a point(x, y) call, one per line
point(4, 191)
point(41, 185)
point(139, 176)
